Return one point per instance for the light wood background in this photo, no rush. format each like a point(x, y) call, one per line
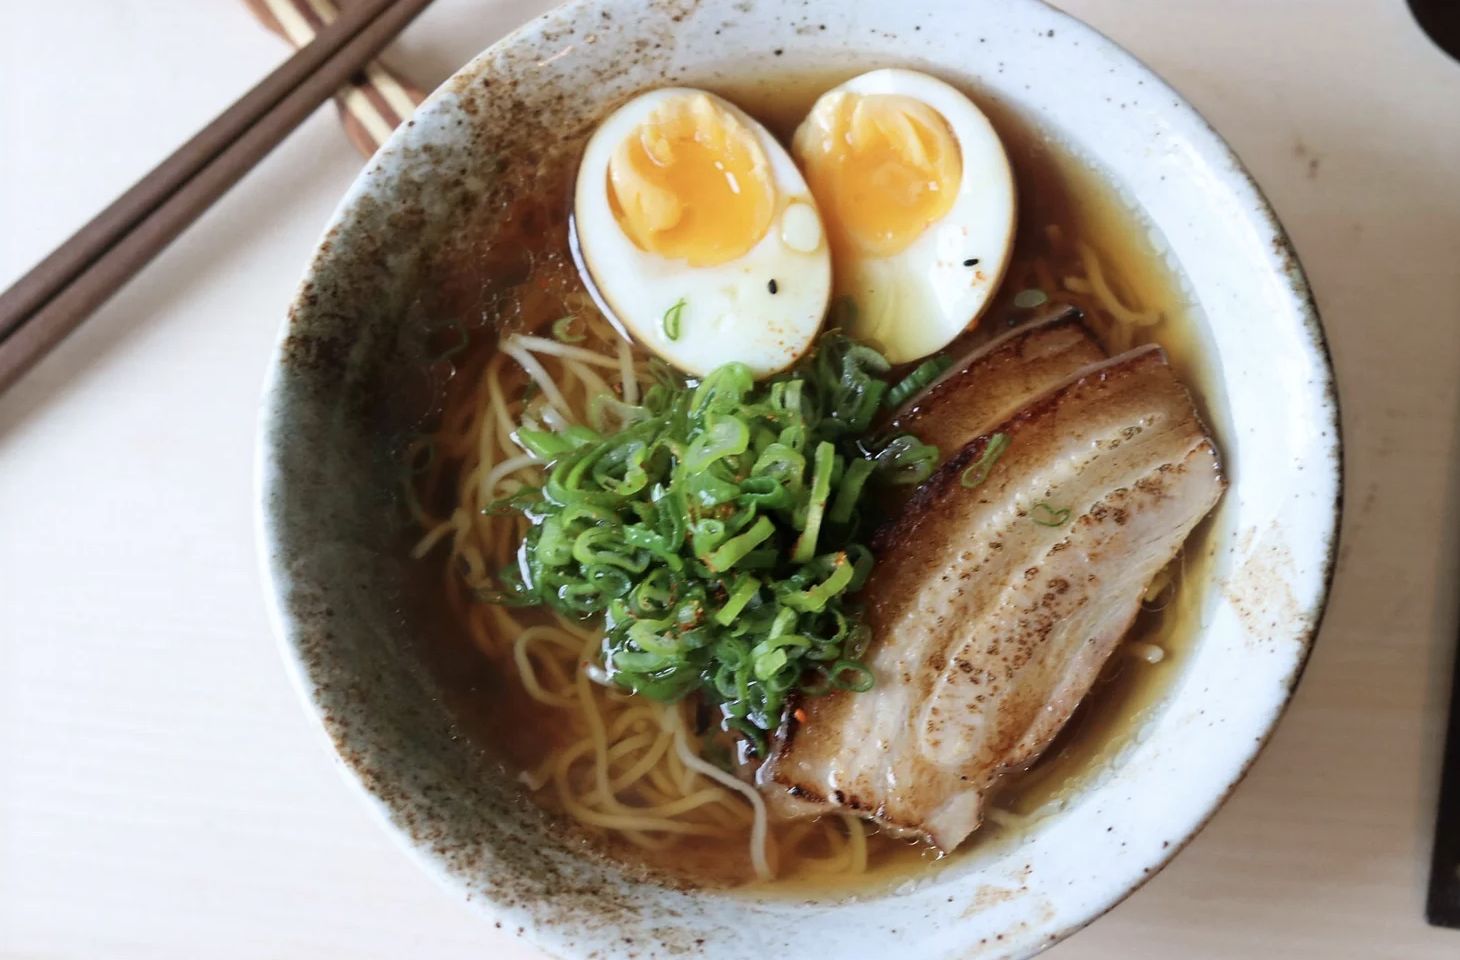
point(163, 795)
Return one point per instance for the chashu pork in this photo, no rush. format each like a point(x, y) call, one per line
point(993, 609)
point(996, 380)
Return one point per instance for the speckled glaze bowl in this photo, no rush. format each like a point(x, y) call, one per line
point(352, 611)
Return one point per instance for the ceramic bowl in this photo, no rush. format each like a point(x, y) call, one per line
point(352, 611)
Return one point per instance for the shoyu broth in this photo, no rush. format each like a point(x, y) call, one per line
point(513, 272)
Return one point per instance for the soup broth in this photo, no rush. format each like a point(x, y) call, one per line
point(1077, 242)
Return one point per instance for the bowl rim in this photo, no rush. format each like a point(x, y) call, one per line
point(1255, 208)
point(1307, 306)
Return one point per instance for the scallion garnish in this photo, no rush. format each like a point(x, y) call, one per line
point(1031, 298)
point(674, 319)
point(912, 384)
point(718, 531)
point(993, 449)
point(564, 331)
point(1048, 516)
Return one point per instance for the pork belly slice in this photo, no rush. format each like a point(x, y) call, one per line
point(992, 610)
point(993, 382)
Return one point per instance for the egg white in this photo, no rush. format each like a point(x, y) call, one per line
point(914, 302)
point(729, 312)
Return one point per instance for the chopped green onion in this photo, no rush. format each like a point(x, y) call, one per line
point(734, 549)
point(743, 592)
point(914, 383)
point(578, 435)
point(769, 664)
point(673, 320)
point(716, 527)
point(515, 503)
point(563, 330)
point(861, 679)
point(1047, 516)
point(543, 444)
point(724, 437)
point(815, 599)
point(1031, 298)
point(850, 490)
point(979, 471)
point(820, 487)
point(906, 460)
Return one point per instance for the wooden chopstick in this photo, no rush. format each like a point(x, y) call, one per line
point(71, 258)
point(54, 297)
point(375, 102)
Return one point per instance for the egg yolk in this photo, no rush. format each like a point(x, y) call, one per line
point(692, 183)
point(882, 168)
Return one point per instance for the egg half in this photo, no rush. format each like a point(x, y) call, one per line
point(918, 199)
point(698, 234)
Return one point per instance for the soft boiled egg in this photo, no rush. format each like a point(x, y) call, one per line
point(918, 200)
point(698, 234)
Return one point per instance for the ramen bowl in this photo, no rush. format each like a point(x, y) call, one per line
point(360, 622)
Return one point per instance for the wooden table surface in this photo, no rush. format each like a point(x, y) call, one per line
point(163, 795)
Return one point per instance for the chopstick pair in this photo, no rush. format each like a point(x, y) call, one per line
point(63, 289)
